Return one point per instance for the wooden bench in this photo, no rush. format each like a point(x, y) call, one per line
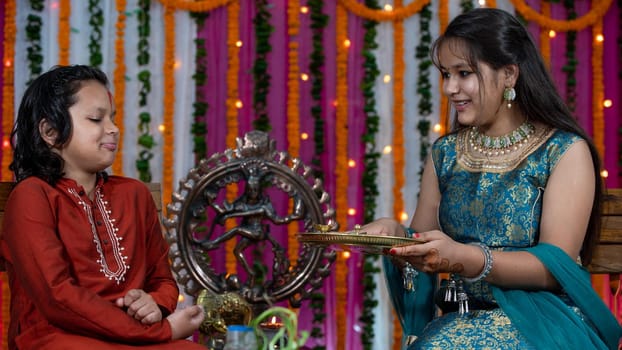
point(608, 253)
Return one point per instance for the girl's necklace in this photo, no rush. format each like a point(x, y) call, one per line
point(500, 145)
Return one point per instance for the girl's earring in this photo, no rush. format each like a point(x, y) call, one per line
point(509, 95)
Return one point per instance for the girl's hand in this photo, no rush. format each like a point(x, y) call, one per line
point(141, 306)
point(384, 227)
point(439, 253)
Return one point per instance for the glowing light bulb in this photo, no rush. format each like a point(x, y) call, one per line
point(552, 34)
point(607, 103)
point(239, 104)
point(403, 216)
point(351, 163)
point(304, 76)
point(8, 63)
point(239, 43)
point(161, 128)
point(600, 38)
point(388, 7)
point(177, 64)
point(387, 78)
point(604, 174)
point(304, 9)
point(387, 149)
point(437, 128)
point(347, 43)
point(304, 136)
point(351, 211)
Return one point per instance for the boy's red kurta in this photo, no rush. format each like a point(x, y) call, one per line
point(69, 258)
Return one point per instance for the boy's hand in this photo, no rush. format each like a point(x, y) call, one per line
point(141, 306)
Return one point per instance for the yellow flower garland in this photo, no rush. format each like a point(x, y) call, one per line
point(233, 35)
point(8, 93)
point(545, 42)
point(398, 13)
point(195, 6)
point(594, 15)
point(293, 114)
point(598, 93)
point(64, 31)
point(119, 83)
point(341, 168)
point(168, 70)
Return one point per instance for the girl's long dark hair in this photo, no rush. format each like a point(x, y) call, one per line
point(48, 97)
point(497, 38)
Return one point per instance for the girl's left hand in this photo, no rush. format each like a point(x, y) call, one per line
point(439, 253)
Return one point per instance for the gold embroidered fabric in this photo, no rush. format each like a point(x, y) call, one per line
point(474, 160)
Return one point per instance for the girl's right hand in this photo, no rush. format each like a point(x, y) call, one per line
point(384, 227)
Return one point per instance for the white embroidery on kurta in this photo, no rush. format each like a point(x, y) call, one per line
point(111, 230)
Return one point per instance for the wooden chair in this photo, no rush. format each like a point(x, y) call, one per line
point(608, 253)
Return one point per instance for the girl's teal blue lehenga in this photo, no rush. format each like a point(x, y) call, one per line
point(501, 208)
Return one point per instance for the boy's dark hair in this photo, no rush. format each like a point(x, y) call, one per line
point(48, 97)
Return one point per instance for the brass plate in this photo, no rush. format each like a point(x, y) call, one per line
point(372, 244)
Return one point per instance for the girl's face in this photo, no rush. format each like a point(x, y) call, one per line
point(92, 145)
point(477, 103)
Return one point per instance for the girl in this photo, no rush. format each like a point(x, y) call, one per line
point(509, 202)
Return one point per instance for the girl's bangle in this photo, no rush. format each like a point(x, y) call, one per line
point(487, 264)
point(409, 231)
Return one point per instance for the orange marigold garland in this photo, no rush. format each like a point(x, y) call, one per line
point(233, 35)
point(398, 115)
point(443, 18)
point(398, 13)
point(168, 69)
point(8, 92)
point(293, 114)
point(64, 31)
point(398, 134)
point(195, 6)
point(598, 94)
point(119, 83)
point(341, 166)
point(595, 14)
point(545, 42)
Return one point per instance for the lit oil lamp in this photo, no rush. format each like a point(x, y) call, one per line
point(275, 333)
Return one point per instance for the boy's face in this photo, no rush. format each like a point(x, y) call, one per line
point(92, 145)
